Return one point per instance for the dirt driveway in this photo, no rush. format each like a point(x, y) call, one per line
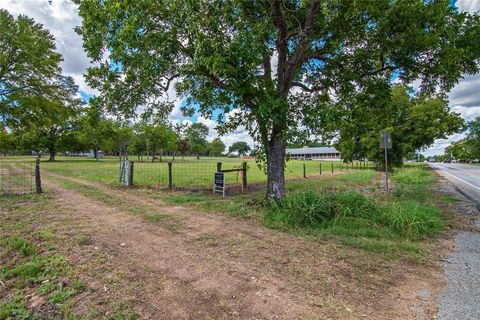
point(194, 265)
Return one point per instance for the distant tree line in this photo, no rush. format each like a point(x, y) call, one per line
point(90, 129)
point(468, 148)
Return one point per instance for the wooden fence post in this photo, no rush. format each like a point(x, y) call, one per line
point(332, 167)
point(304, 171)
point(130, 174)
point(244, 176)
point(219, 166)
point(38, 180)
point(170, 175)
point(320, 166)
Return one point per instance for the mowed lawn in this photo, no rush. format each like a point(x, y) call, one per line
point(187, 172)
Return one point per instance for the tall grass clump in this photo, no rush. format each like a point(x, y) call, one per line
point(414, 176)
point(412, 183)
point(359, 177)
point(351, 214)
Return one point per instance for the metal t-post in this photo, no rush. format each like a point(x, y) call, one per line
point(386, 162)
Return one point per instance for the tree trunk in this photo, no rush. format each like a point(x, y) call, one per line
point(52, 155)
point(95, 154)
point(154, 156)
point(198, 156)
point(275, 169)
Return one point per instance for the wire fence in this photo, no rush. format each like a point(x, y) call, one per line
point(192, 174)
point(184, 175)
point(17, 177)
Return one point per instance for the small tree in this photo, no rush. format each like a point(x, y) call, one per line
point(184, 146)
point(160, 137)
point(218, 147)
point(197, 135)
point(414, 121)
point(95, 129)
point(240, 147)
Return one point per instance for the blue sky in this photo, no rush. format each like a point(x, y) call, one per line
point(61, 17)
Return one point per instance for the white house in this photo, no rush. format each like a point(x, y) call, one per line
point(316, 153)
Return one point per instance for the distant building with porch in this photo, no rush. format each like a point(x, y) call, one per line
point(315, 153)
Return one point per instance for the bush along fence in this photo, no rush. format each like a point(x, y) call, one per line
point(180, 175)
point(20, 177)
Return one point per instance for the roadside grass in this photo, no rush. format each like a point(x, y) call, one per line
point(412, 183)
point(356, 220)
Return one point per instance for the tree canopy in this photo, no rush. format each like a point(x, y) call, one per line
point(240, 147)
point(32, 86)
point(278, 63)
point(414, 122)
point(218, 147)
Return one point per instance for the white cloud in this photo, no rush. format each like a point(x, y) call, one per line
point(59, 18)
point(468, 5)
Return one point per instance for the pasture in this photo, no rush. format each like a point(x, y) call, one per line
point(187, 172)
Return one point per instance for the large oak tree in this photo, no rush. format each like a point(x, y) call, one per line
point(279, 63)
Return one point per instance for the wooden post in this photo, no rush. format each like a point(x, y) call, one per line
point(130, 173)
point(219, 166)
point(38, 180)
point(332, 167)
point(170, 175)
point(304, 171)
point(244, 176)
point(320, 168)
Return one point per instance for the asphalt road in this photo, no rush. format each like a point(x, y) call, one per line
point(464, 176)
point(460, 297)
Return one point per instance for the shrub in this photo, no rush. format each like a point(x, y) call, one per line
point(309, 209)
point(352, 214)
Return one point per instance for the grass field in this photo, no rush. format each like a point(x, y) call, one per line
point(188, 172)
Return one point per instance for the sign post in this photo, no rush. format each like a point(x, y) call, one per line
point(386, 143)
point(219, 182)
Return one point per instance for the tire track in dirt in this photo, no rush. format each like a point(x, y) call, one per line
point(194, 276)
point(222, 267)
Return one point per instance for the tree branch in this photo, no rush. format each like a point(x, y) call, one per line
point(282, 39)
point(169, 81)
point(303, 86)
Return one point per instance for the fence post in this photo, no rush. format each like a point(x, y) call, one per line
point(332, 167)
point(320, 165)
point(170, 175)
point(244, 176)
point(38, 180)
point(130, 174)
point(304, 171)
point(219, 166)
